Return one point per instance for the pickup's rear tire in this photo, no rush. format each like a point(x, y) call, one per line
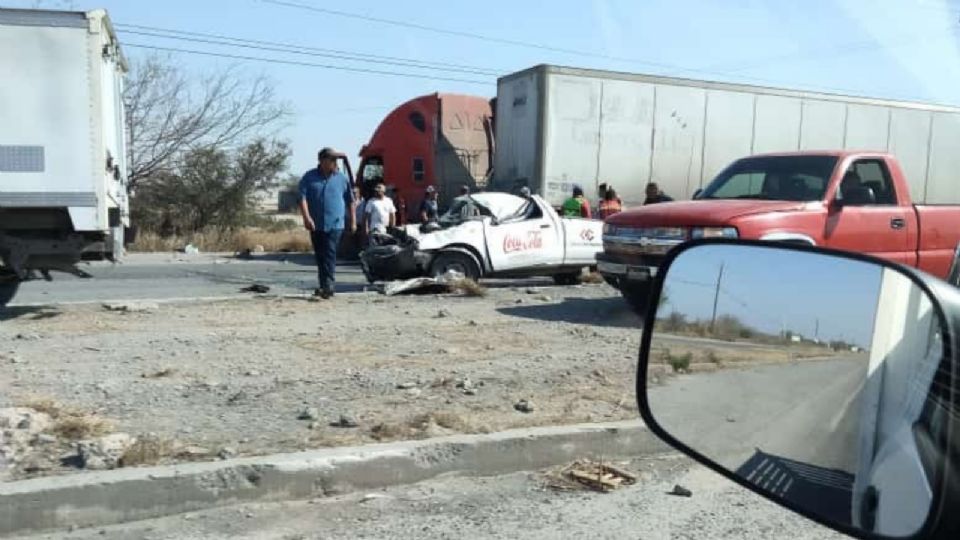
point(637, 294)
point(569, 278)
point(456, 261)
point(9, 283)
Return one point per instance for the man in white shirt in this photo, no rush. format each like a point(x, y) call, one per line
point(380, 212)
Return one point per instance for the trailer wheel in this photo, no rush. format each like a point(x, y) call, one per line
point(637, 295)
point(456, 261)
point(9, 283)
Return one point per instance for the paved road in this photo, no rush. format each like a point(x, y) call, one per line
point(790, 427)
point(504, 507)
point(171, 276)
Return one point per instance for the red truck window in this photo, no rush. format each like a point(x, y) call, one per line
point(418, 170)
point(872, 174)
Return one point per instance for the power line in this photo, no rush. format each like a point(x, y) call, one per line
point(544, 47)
point(307, 64)
point(220, 39)
point(470, 35)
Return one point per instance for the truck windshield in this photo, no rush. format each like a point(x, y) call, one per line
point(778, 178)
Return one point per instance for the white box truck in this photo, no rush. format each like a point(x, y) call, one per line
point(63, 195)
point(559, 126)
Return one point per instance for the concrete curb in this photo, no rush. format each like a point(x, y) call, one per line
point(109, 497)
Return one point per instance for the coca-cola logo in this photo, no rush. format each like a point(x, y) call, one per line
point(520, 242)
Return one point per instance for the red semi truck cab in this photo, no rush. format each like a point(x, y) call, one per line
point(854, 201)
point(440, 140)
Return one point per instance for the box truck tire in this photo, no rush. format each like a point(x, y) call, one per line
point(9, 283)
point(637, 294)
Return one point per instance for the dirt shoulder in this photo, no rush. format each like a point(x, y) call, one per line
point(273, 375)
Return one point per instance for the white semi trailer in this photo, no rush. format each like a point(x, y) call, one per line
point(559, 126)
point(63, 195)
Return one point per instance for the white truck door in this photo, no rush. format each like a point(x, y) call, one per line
point(532, 239)
point(584, 239)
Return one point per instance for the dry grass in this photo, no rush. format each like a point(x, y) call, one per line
point(44, 405)
point(468, 287)
point(226, 241)
point(81, 427)
point(148, 450)
point(69, 423)
point(419, 426)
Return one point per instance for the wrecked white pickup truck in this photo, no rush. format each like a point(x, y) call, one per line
point(489, 235)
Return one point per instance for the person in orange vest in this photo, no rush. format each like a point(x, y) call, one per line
point(611, 204)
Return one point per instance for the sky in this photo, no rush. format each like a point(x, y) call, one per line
point(773, 289)
point(904, 49)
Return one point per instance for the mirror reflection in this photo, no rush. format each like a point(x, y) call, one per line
point(810, 376)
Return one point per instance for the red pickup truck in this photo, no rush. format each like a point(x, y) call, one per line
point(850, 200)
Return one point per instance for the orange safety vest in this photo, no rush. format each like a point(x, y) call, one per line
point(609, 208)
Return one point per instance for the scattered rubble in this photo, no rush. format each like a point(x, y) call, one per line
point(345, 421)
point(308, 413)
point(524, 406)
point(131, 307)
point(256, 288)
point(105, 452)
point(587, 474)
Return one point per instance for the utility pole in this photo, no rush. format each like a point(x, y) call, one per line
point(816, 329)
point(716, 298)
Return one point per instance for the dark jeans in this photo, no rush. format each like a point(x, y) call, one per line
point(325, 251)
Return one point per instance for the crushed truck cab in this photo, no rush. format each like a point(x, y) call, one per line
point(490, 235)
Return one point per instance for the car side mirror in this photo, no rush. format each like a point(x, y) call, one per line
point(822, 380)
point(696, 194)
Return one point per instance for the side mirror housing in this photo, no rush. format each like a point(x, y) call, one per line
point(826, 384)
point(696, 194)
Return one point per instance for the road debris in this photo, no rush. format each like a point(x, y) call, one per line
point(308, 413)
point(680, 491)
point(105, 452)
point(345, 421)
point(588, 474)
point(131, 307)
point(524, 406)
point(452, 283)
point(256, 288)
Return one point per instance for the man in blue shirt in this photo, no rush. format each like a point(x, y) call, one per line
point(327, 206)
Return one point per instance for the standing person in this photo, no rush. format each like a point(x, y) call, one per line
point(360, 198)
point(654, 195)
point(611, 204)
point(430, 208)
point(464, 193)
point(577, 205)
point(380, 212)
point(327, 206)
point(401, 205)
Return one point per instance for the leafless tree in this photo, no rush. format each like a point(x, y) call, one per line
point(170, 114)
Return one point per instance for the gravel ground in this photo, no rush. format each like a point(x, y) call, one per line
point(267, 375)
point(510, 506)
